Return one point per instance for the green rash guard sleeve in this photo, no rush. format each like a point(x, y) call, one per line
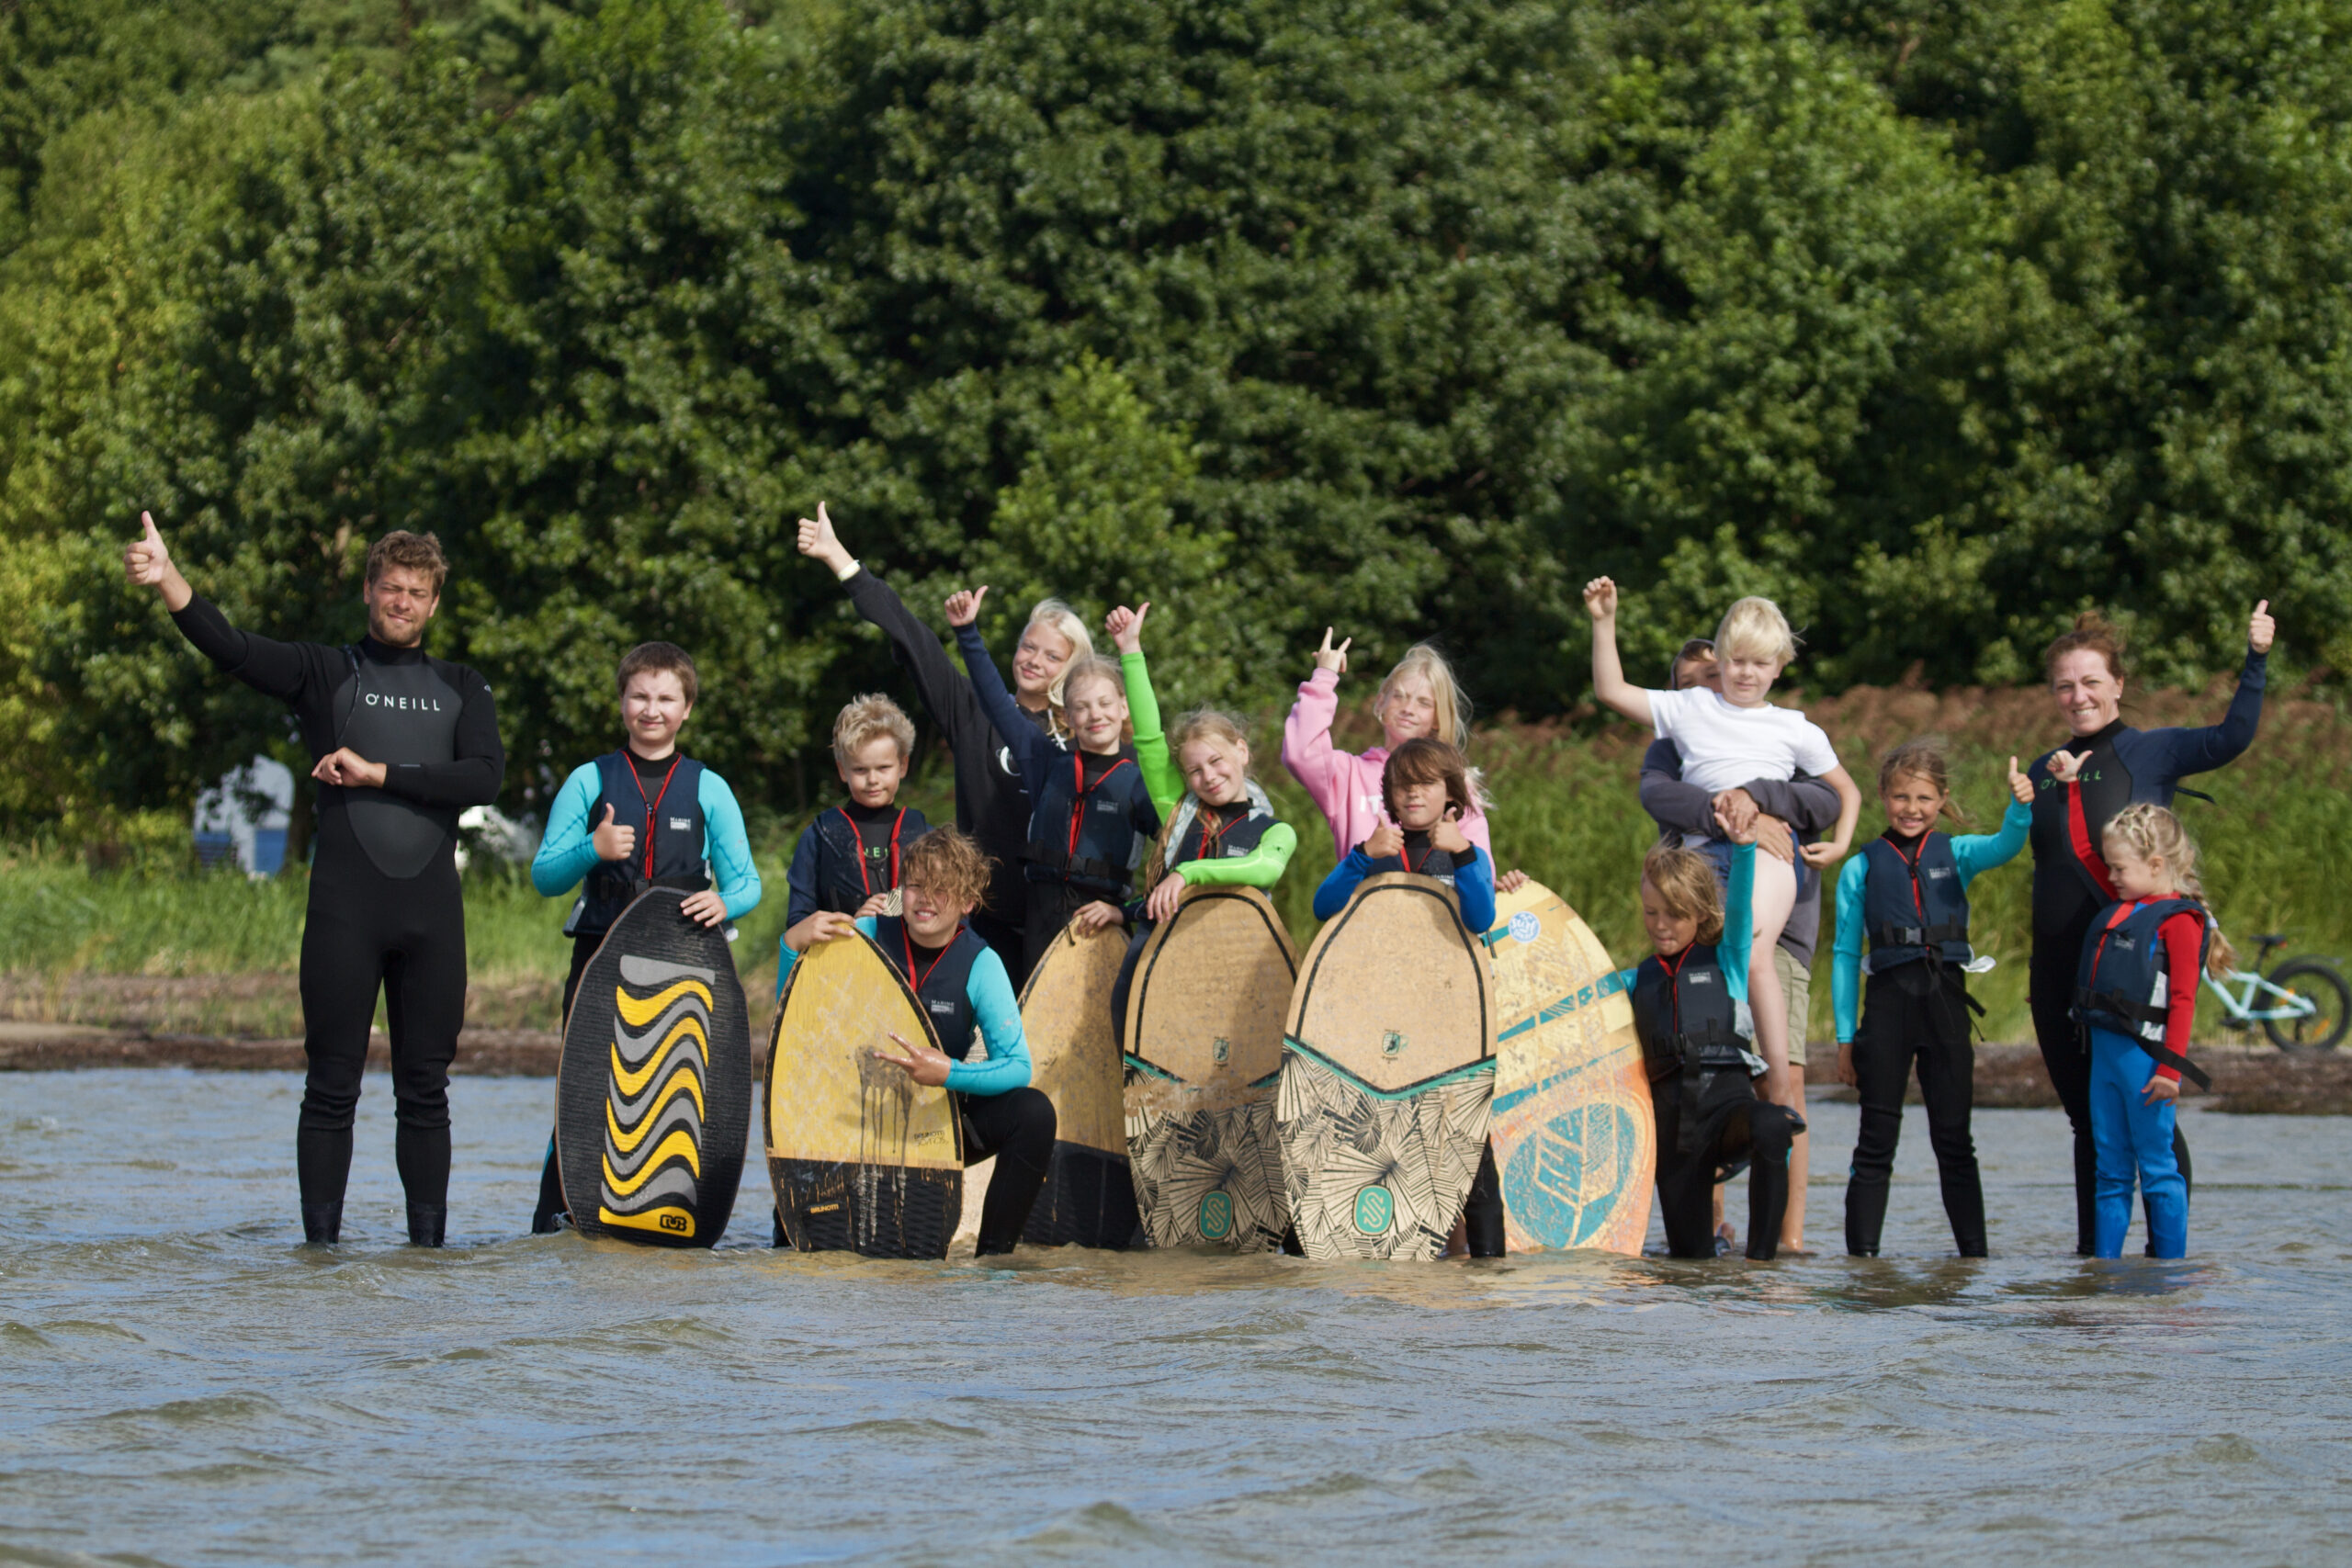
point(1261, 867)
point(1983, 851)
point(1846, 958)
point(1158, 769)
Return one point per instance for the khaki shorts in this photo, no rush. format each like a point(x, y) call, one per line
point(1796, 985)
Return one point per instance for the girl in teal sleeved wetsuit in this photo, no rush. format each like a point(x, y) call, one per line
point(1218, 829)
point(1908, 890)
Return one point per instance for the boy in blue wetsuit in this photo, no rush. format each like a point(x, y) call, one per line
point(962, 987)
point(642, 817)
point(1908, 891)
point(1426, 787)
point(1698, 1037)
point(848, 860)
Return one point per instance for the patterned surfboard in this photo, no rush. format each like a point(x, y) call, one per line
point(653, 1092)
point(1575, 1140)
point(862, 1157)
point(1088, 1199)
point(1204, 1047)
point(1387, 1073)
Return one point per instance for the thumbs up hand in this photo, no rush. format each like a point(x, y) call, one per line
point(2261, 629)
point(613, 840)
point(2021, 785)
point(146, 563)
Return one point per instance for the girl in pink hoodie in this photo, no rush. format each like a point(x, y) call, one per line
point(1419, 698)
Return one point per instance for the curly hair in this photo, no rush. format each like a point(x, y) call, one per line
point(2151, 832)
point(949, 862)
point(869, 718)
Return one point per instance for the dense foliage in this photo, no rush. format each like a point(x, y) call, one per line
point(1936, 318)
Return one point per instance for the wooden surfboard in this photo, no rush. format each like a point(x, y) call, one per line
point(862, 1157)
point(1065, 1014)
point(1387, 1073)
point(1575, 1139)
point(653, 1092)
point(1204, 1047)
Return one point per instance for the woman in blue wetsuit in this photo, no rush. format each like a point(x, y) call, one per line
point(2122, 766)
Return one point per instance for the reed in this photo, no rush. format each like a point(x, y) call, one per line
point(2275, 843)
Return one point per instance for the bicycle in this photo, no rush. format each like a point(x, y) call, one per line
point(2308, 1004)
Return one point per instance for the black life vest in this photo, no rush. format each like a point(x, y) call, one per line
point(1422, 859)
point(1087, 836)
point(1686, 1016)
point(851, 869)
point(669, 853)
point(1913, 904)
point(941, 981)
point(2123, 980)
point(1205, 839)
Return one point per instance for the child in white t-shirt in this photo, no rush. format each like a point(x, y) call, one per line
point(1726, 739)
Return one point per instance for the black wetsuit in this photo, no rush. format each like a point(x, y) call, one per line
point(991, 802)
point(384, 908)
point(2127, 767)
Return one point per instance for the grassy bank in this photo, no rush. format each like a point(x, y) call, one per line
point(136, 945)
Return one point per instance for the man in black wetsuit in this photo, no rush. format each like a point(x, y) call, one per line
point(402, 742)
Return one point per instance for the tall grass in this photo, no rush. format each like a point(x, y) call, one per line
point(2276, 846)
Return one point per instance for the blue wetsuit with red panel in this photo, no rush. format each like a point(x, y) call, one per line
point(2126, 767)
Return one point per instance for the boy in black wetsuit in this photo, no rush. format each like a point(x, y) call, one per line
point(847, 860)
point(402, 742)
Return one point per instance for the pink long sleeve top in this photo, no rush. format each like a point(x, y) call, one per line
point(1345, 785)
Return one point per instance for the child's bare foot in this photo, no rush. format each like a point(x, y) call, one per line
point(1727, 1239)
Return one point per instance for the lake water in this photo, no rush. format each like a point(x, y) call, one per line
point(181, 1383)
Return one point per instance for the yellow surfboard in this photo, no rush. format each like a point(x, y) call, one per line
point(1205, 1046)
point(1387, 1073)
point(863, 1158)
point(1575, 1139)
point(1065, 1014)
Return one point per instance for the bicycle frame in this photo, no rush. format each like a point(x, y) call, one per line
point(2241, 1007)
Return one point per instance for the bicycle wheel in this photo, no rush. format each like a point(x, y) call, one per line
point(2320, 984)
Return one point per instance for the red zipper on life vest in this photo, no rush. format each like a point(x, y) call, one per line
point(865, 885)
point(653, 807)
point(907, 942)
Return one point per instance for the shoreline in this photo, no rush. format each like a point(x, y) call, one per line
point(2250, 1080)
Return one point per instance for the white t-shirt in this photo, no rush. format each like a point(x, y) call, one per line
point(1723, 747)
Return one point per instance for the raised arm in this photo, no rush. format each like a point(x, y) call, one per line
point(946, 694)
point(1029, 745)
point(1610, 687)
point(1160, 778)
point(1307, 733)
point(2202, 750)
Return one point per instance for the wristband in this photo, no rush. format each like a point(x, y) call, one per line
point(845, 573)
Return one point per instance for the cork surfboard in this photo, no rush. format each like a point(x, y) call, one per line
point(653, 1091)
point(1575, 1140)
point(862, 1157)
point(1204, 1047)
point(1065, 1014)
point(1387, 1073)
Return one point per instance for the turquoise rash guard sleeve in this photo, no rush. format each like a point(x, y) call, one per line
point(1739, 921)
point(726, 847)
point(566, 852)
point(997, 1011)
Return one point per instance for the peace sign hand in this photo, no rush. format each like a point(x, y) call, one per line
point(964, 606)
point(2261, 629)
point(920, 1063)
point(1333, 659)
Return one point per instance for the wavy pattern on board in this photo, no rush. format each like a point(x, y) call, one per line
point(654, 1108)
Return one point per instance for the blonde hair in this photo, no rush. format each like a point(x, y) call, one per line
point(1201, 724)
point(1685, 885)
point(1452, 709)
point(1063, 620)
point(1756, 626)
point(867, 717)
point(950, 864)
point(1924, 758)
point(2152, 832)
